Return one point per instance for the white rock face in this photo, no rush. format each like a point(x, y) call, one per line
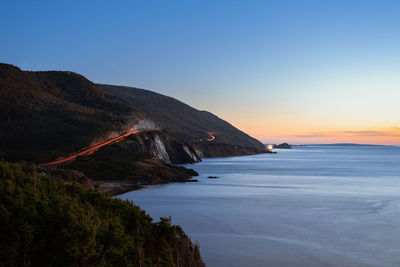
point(160, 151)
point(193, 156)
point(200, 153)
point(145, 124)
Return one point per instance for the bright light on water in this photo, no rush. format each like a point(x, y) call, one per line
point(309, 206)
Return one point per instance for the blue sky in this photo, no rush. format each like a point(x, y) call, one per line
point(280, 70)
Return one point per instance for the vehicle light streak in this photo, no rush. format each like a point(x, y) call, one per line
point(89, 149)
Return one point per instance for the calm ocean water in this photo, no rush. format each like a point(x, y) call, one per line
point(309, 206)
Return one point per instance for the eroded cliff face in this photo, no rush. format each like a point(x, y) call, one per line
point(163, 146)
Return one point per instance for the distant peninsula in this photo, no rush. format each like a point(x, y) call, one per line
point(283, 146)
point(278, 146)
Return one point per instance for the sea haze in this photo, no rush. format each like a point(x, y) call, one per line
point(308, 206)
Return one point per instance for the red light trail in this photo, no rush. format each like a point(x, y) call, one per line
point(90, 149)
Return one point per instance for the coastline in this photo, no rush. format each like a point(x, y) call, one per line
point(116, 188)
point(119, 187)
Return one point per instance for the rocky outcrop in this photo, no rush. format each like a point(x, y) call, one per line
point(117, 168)
point(163, 146)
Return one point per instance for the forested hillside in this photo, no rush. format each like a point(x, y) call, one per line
point(45, 221)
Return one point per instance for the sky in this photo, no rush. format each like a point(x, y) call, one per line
point(282, 71)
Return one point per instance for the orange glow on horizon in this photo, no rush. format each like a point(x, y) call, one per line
point(388, 136)
point(295, 128)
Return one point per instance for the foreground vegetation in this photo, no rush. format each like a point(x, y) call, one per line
point(46, 221)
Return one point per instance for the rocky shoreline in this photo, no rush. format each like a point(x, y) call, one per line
point(163, 175)
point(115, 188)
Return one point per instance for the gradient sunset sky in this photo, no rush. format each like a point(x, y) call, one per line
point(295, 71)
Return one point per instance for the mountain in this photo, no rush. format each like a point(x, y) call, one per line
point(48, 114)
point(189, 123)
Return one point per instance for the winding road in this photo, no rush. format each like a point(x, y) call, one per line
point(68, 158)
point(212, 136)
point(92, 148)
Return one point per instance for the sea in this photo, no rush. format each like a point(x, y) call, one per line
point(314, 205)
